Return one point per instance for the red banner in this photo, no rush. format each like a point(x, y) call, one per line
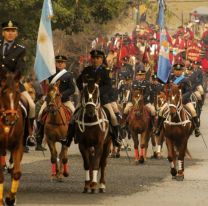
point(193, 52)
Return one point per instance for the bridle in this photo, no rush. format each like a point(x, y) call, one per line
point(5, 113)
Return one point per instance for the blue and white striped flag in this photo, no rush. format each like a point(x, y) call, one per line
point(164, 65)
point(45, 58)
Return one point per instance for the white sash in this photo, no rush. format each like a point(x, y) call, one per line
point(60, 74)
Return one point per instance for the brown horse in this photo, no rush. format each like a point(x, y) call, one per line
point(11, 132)
point(55, 128)
point(177, 129)
point(139, 122)
point(91, 131)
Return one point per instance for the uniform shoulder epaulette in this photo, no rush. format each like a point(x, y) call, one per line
point(21, 46)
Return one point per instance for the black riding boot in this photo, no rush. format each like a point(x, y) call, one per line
point(196, 125)
point(115, 136)
point(159, 125)
point(39, 137)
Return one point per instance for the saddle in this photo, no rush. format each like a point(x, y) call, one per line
point(67, 112)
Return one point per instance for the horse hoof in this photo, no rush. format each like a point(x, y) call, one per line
point(86, 190)
point(101, 190)
point(180, 177)
point(173, 172)
point(65, 174)
point(59, 179)
point(9, 202)
point(141, 160)
point(118, 155)
point(53, 178)
point(93, 191)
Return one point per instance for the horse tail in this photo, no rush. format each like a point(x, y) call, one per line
point(92, 151)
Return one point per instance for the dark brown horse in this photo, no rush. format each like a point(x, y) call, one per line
point(11, 132)
point(177, 129)
point(139, 122)
point(92, 134)
point(55, 129)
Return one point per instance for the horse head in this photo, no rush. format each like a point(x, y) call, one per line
point(53, 98)
point(138, 101)
point(90, 95)
point(175, 99)
point(9, 98)
point(161, 100)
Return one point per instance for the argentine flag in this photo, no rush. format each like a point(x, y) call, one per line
point(164, 65)
point(45, 58)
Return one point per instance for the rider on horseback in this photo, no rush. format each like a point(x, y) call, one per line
point(99, 67)
point(66, 88)
point(186, 90)
point(12, 59)
point(140, 82)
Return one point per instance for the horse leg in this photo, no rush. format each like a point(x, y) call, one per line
point(142, 148)
point(16, 174)
point(85, 156)
point(182, 151)
point(54, 166)
point(64, 161)
point(160, 140)
point(154, 146)
point(136, 145)
point(10, 166)
point(171, 157)
point(103, 163)
point(98, 151)
point(1, 179)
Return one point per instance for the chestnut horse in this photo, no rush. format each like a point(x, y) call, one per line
point(139, 122)
point(11, 133)
point(91, 130)
point(55, 128)
point(177, 130)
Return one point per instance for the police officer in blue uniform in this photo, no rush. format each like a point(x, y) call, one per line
point(186, 88)
point(66, 88)
point(12, 59)
point(99, 68)
point(155, 88)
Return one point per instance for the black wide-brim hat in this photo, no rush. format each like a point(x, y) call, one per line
point(61, 58)
point(9, 25)
point(97, 53)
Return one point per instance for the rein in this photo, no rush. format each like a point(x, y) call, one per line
point(179, 107)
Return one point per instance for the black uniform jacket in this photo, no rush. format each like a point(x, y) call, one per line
point(145, 87)
point(13, 60)
point(105, 84)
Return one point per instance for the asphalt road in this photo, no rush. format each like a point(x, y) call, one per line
point(127, 183)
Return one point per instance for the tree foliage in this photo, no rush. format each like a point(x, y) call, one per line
point(72, 16)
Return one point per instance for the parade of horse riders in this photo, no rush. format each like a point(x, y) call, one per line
point(103, 102)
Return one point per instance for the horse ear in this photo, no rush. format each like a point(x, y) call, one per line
point(58, 83)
